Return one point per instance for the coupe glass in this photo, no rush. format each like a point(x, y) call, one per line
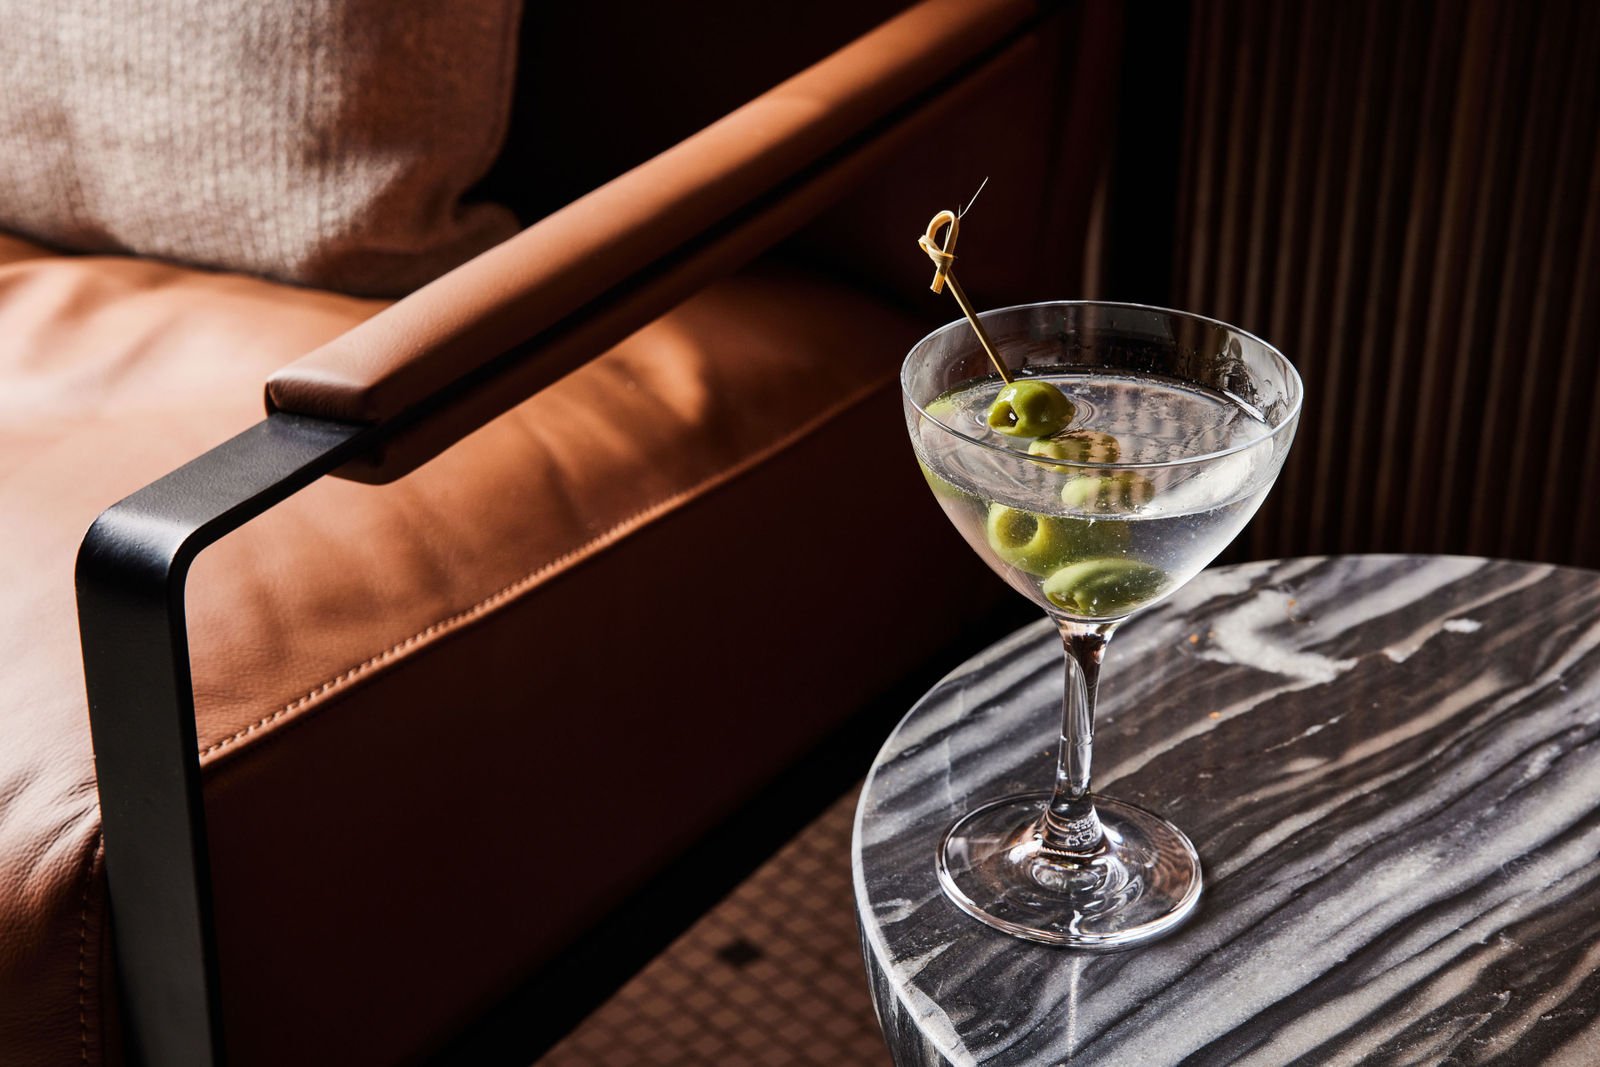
point(1181, 426)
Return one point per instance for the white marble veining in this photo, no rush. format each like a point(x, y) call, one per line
point(1391, 767)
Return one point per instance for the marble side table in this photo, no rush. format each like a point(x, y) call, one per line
point(1391, 768)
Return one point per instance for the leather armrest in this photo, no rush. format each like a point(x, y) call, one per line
point(477, 341)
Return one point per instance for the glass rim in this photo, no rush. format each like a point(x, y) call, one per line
point(961, 323)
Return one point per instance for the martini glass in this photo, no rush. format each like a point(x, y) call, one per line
point(1181, 426)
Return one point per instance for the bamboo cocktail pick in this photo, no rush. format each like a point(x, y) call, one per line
point(944, 258)
point(1028, 408)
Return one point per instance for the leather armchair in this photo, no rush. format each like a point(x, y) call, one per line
point(364, 761)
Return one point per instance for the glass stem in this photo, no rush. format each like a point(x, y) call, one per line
point(1070, 824)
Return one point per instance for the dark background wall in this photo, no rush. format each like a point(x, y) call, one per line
point(1406, 198)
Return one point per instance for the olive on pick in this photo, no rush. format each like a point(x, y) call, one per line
point(1030, 409)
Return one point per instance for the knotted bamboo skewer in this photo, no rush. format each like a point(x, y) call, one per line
point(944, 258)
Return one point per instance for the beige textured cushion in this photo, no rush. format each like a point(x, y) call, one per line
point(324, 142)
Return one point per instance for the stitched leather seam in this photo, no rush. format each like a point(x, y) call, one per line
point(83, 950)
point(561, 563)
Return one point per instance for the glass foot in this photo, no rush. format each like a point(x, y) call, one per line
point(1142, 882)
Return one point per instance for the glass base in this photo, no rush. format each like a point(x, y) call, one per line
point(1142, 882)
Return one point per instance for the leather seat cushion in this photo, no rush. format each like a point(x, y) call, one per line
point(446, 723)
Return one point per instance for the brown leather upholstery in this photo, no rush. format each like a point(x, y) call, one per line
point(404, 692)
point(646, 589)
point(572, 258)
point(111, 372)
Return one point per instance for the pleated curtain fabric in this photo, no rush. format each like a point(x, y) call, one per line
point(1406, 198)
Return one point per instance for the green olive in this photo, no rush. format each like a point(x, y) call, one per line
point(1030, 409)
point(942, 487)
point(1104, 588)
point(1040, 544)
point(1120, 492)
point(1034, 543)
point(942, 408)
point(1079, 446)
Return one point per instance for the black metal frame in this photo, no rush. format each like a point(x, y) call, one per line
point(131, 574)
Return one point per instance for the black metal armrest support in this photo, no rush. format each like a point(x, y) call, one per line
point(130, 576)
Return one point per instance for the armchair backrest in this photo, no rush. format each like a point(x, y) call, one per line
point(603, 86)
point(593, 101)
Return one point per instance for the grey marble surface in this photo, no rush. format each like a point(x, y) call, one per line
point(1391, 768)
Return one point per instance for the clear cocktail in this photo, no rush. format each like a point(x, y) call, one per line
point(1147, 441)
point(1098, 524)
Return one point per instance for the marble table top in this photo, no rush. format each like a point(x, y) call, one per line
point(1391, 768)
